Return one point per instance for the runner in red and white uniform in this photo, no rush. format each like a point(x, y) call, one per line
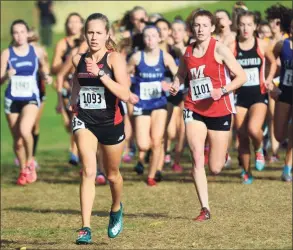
point(209, 104)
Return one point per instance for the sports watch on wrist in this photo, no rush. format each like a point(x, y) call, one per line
point(224, 91)
point(101, 73)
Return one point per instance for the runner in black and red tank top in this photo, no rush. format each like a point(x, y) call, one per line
point(99, 109)
point(101, 79)
point(251, 104)
point(209, 103)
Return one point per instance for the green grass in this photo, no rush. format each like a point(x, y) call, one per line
point(46, 214)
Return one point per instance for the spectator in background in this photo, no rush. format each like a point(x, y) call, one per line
point(47, 19)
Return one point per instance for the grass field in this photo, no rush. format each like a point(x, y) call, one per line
point(46, 214)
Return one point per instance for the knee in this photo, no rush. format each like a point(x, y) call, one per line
point(143, 147)
point(36, 129)
point(18, 144)
point(157, 142)
point(25, 131)
point(171, 133)
point(216, 168)
point(114, 177)
point(89, 173)
point(279, 135)
point(253, 132)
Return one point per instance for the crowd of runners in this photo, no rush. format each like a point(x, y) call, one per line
point(150, 87)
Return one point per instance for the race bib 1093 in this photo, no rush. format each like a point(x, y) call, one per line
point(92, 98)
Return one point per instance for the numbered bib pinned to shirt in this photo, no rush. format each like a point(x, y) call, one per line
point(288, 78)
point(150, 90)
point(252, 77)
point(22, 86)
point(92, 98)
point(201, 88)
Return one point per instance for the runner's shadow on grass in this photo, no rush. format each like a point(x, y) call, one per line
point(94, 213)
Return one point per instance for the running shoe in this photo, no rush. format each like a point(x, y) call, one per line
point(167, 159)
point(101, 179)
point(21, 180)
point(274, 159)
point(151, 182)
point(242, 172)
point(177, 168)
point(31, 172)
point(259, 160)
point(286, 175)
point(84, 236)
point(247, 178)
point(204, 215)
point(73, 159)
point(126, 158)
point(139, 168)
point(115, 223)
point(158, 176)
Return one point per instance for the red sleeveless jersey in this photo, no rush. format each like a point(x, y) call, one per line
point(204, 74)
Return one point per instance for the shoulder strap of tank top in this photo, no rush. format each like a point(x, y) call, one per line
point(189, 49)
point(67, 44)
point(141, 57)
point(237, 47)
point(211, 46)
point(11, 52)
point(256, 43)
point(82, 59)
point(161, 60)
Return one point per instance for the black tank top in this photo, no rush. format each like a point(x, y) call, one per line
point(97, 105)
point(67, 51)
point(252, 61)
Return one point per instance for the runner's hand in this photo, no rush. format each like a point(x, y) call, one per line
point(48, 79)
point(216, 94)
point(133, 99)
point(166, 86)
point(73, 108)
point(269, 85)
point(92, 67)
point(59, 107)
point(175, 87)
point(11, 72)
point(275, 92)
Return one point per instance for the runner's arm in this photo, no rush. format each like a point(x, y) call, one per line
point(230, 61)
point(57, 58)
point(273, 64)
point(121, 90)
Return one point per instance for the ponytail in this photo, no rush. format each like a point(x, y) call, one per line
point(111, 45)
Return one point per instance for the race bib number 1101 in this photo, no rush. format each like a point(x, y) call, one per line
point(201, 88)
